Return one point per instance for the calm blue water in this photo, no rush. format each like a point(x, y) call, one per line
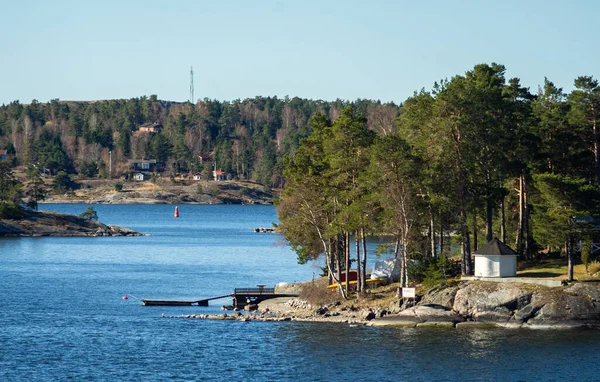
point(62, 316)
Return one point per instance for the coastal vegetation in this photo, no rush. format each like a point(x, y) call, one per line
point(477, 156)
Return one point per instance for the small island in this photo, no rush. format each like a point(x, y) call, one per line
point(37, 223)
point(19, 215)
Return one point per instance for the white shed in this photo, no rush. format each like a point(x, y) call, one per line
point(140, 176)
point(495, 259)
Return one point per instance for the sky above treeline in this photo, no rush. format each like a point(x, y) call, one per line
point(327, 49)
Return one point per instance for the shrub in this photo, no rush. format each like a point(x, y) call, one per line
point(89, 214)
point(594, 267)
point(10, 211)
point(317, 294)
point(586, 253)
point(199, 189)
point(118, 187)
point(88, 169)
point(431, 272)
point(63, 182)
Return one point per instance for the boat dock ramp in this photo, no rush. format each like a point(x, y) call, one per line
point(241, 297)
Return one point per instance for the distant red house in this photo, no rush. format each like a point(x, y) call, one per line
point(218, 175)
point(3, 154)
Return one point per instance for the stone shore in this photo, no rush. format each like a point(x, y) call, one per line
point(470, 304)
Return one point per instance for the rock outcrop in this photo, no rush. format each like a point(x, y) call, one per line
point(504, 304)
point(55, 224)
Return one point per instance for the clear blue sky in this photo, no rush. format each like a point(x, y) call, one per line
point(84, 50)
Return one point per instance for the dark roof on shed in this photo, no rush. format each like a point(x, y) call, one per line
point(495, 248)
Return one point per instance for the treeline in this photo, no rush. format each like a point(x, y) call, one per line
point(245, 138)
point(475, 157)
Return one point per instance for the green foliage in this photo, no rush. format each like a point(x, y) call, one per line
point(118, 187)
point(48, 152)
point(88, 169)
point(586, 253)
point(11, 190)
point(89, 214)
point(561, 200)
point(63, 182)
point(34, 189)
point(10, 210)
point(199, 189)
point(433, 271)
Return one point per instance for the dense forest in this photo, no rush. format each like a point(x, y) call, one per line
point(247, 139)
point(476, 157)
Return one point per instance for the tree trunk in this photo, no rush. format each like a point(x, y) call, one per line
point(397, 248)
point(347, 258)
point(475, 243)
point(502, 221)
point(359, 280)
point(338, 267)
point(489, 209)
point(519, 237)
point(570, 255)
point(527, 237)
point(441, 235)
point(432, 232)
point(466, 253)
point(364, 257)
point(596, 153)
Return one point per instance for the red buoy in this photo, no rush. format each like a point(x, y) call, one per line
point(125, 297)
point(176, 212)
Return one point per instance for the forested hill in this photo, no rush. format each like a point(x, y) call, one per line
point(247, 139)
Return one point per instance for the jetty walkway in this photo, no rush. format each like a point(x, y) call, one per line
point(241, 297)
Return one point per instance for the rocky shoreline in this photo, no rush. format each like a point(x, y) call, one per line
point(470, 304)
point(35, 223)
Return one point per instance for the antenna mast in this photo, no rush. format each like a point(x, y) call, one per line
point(192, 84)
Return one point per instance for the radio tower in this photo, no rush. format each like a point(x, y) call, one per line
point(192, 84)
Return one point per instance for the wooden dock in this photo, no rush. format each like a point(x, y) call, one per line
point(202, 302)
point(247, 296)
point(241, 298)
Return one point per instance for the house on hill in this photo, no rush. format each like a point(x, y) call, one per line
point(150, 128)
point(144, 164)
point(218, 175)
point(197, 176)
point(495, 259)
point(3, 154)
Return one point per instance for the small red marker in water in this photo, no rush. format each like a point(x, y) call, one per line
point(176, 212)
point(125, 297)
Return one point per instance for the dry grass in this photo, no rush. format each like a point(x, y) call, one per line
point(554, 269)
point(594, 267)
point(316, 293)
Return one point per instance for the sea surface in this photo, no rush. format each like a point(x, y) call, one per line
point(63, 316)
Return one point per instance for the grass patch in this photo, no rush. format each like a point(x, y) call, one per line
point(553, 269)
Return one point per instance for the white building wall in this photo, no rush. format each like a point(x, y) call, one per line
point(495, 266)
point(508, 266)
point(487, 266)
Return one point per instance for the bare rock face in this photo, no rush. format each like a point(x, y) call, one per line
point(503, 304)
point(483, 301)
point(566, 307)
point(441, 296)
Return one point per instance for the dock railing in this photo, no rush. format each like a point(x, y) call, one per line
point(254, 291)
